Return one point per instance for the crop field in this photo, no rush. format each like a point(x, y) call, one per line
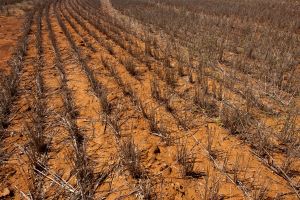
point(150, 99)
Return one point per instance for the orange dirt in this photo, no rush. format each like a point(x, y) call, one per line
point(230, 171)
point(9, 34)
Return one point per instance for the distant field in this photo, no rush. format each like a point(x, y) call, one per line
point(15, 7)
point(7, 2)
point(151, 99)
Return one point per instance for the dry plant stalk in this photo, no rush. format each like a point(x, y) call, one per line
point(234, 119)
point(130, 67)
point(210, 138)
point(202, 100)
point(146, 189)
point(212, 187)
point(106, 106)
point(155, 89)
point(187, 161)
point(170, 77)
point(131, 158)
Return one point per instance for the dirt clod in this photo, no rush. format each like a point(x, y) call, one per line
point(5, 192)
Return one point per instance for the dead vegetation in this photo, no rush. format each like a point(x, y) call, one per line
point(203, 94)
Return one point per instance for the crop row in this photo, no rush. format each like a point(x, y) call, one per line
point(90, 18)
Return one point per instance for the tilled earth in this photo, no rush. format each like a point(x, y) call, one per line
point(96, 118)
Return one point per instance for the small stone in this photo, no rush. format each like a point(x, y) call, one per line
point(240, 50)
point(172, 63)
point(5, 192)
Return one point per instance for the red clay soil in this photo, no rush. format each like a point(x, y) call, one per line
point(71, 167)
point(9, 33)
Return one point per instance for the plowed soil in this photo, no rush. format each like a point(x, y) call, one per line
point(85, 144)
